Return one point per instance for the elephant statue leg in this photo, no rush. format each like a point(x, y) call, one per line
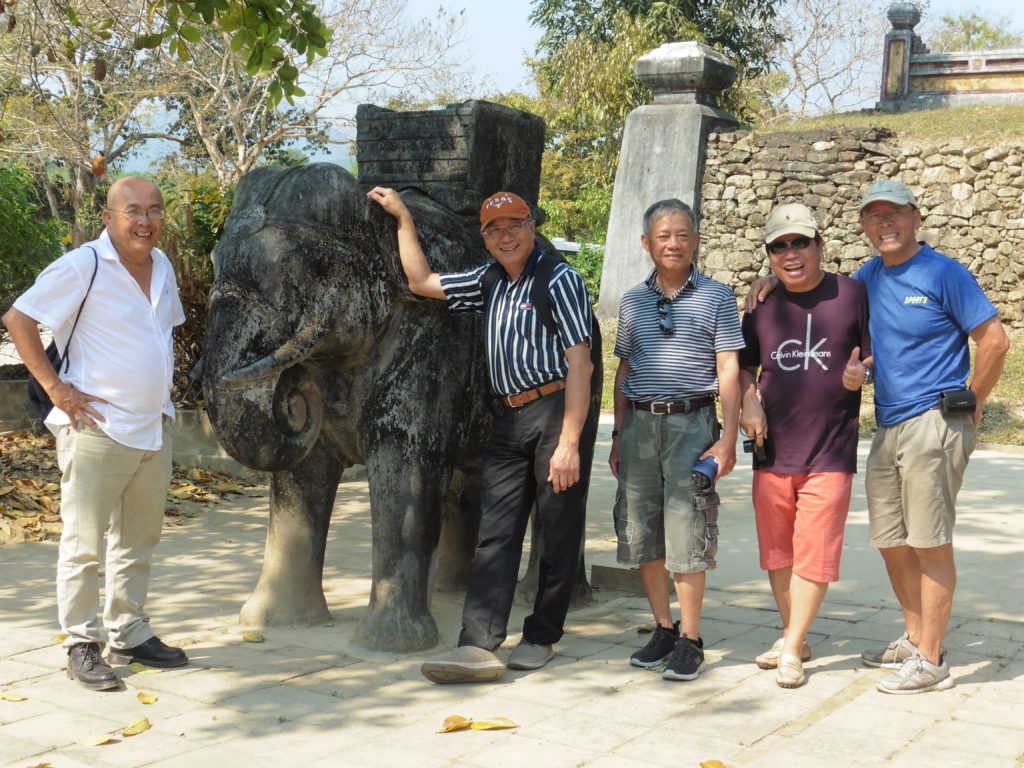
point(290, 588)
point(406, 496)
point(459, 531)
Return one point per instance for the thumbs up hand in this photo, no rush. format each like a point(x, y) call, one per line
point(856, 374)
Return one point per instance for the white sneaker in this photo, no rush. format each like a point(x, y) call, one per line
point(917, 675)
point(529, 656)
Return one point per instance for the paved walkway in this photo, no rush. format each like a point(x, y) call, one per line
point(308, 697)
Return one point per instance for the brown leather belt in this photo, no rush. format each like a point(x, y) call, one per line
point(517, 401)
point(665, 407)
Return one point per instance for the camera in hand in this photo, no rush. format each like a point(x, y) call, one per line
point(751, 446)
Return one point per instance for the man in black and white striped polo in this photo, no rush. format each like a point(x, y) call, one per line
point(678, 339)
point(538, 442)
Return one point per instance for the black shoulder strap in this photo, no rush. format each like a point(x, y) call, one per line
point(487, 281)
point(540, 292)
point(96, 265)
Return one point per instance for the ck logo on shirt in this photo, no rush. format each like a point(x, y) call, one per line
point(790, 353)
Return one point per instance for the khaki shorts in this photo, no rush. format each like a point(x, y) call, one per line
point(656, 514)
point(914, 473)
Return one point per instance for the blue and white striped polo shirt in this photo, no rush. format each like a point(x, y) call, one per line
point(682, 365)
point(521, 352)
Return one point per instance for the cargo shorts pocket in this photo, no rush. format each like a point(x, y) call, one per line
point(705, 506)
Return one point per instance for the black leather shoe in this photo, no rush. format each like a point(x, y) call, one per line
point(87, 667)
point(152, 653)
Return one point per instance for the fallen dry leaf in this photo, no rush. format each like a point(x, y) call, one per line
point(11, 697)
point(146, 698)
point(60, 638)
point(494, 724)
point(142, 669)
point(139, 726)
point(96, 741)
point(30, 488)
point(712, 764)
point(253, 637)
point(455, 723)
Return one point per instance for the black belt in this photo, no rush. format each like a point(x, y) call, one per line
point(665, 407)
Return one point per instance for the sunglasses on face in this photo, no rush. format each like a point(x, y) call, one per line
point(665, 316)
point(796, 244)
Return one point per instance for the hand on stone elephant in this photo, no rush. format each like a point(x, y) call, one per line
point(389, 200)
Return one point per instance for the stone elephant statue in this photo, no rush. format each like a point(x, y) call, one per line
point(316, 358)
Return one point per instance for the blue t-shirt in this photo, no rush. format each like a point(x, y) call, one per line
point(921, 314)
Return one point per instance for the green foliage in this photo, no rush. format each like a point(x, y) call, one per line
point(588, 262)
point(197, 207)
point(973, 31)
point(30, 241)
point(259, 30)
point(587, 86)
point(742, 29)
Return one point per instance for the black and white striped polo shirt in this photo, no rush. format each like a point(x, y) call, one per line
point(521, 352)
point(681, 365)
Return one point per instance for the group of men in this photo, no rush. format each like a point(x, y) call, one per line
point(790, 377)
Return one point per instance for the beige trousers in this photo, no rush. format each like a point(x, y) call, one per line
point(108, 488)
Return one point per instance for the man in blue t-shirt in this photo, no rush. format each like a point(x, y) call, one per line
point(924, 306)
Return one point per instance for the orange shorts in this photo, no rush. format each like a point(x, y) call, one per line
point(800, 521)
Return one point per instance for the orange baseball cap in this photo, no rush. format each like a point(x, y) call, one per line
point(503, 204)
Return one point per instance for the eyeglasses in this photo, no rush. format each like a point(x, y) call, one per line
point(156, 214)
point(494, 233)
point(664, 305)
point(781, 246)
point(874, 219)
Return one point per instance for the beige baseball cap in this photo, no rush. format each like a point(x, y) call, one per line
point(889, 190)
point(789, 219)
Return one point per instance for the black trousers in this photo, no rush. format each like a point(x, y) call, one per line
point(514, 475)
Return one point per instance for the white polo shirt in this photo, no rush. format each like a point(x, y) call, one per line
point(122, 349)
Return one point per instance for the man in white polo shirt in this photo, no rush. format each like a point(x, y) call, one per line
point(112, 404)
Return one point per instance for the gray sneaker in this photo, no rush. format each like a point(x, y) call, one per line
point(917, 675)
point(465, 664)
point(893, 655)
point(528, 655)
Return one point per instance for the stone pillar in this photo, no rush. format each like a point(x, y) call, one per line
point(662, 155)
point(900, 43)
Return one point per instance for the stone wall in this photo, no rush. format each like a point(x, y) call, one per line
point(971, 197)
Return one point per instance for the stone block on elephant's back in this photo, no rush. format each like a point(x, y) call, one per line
point(458, 155)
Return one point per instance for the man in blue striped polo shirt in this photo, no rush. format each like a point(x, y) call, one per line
point(538, 441)
point(678, 339)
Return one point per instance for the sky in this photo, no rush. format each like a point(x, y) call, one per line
point(499, 36)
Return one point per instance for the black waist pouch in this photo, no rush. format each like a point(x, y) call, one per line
point(958, 401)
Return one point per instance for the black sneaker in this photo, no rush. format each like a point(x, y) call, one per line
point(662, 641)
point(87, 667)
point(152, 653)
point(687, 660)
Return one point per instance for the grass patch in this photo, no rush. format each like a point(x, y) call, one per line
point(983, 124)
point(1004, 410)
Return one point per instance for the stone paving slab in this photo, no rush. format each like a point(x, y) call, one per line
point(310, 697)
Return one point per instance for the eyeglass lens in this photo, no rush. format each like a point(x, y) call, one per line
point(512, 229)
